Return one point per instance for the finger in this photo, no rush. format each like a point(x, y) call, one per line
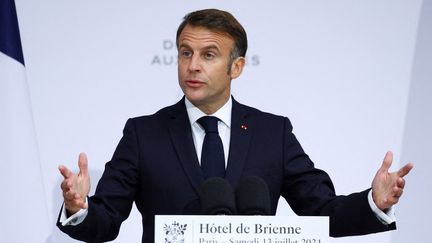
point(69, 196)
point(394, 200)
point(83, 164)
point(397, 192)
point(400, 182)
point(77, 197)
point(81, 204)
point(79, 201)
point(65, 172)
point(405, 170)
point(68, 192)
point(65, 186)
point(73, 197)
point(388, 159)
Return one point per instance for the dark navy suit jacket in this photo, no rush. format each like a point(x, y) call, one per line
point(155, 165)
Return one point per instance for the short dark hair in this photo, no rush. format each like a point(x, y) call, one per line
point(220, 21)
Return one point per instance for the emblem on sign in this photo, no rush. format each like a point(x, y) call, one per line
point(174, 233)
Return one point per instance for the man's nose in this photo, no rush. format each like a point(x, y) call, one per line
point(195, 64)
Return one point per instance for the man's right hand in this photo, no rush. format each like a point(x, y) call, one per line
point(75, 187)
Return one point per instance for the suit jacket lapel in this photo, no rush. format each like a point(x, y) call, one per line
point(241, 135)
point(181, 135)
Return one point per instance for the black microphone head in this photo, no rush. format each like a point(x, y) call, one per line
point(253, 196)
point(217, 197)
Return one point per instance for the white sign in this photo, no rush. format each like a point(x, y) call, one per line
point(241, 229)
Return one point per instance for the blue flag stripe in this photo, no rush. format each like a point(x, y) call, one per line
point(10, 41)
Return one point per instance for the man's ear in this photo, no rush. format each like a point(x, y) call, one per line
point(237, 67)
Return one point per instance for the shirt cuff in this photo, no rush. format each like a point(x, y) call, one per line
point(74, 219)
point(385, 217)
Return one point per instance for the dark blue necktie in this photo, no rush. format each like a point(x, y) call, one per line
point(212, 154)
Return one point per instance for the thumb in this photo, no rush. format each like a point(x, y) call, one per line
point(83, 164)
point(388, 159)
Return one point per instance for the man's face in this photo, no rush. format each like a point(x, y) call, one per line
point(203, 69)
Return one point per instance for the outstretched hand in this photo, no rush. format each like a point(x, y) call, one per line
point(75, 187)
point(388, 187)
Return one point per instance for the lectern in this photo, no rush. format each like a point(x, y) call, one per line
point(240, 229)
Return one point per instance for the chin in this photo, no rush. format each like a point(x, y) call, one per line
point(194, 96)
point(194, 100)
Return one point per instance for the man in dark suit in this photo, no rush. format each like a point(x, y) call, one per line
point(158, 165)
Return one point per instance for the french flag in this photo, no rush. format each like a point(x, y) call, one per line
point(23, 199)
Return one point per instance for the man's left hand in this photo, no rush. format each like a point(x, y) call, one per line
point(387, 187)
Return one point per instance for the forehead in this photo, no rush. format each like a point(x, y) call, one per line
point(201, 37)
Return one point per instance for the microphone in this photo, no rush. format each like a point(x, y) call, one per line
point(253, 196)
point(217, 197)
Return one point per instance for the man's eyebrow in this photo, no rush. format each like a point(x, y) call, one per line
point(183, 45)
point(209, 47)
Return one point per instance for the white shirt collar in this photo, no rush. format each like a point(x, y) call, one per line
point(224, 113)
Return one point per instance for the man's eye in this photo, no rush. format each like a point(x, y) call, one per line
point(209, 55)
point(186, 53)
